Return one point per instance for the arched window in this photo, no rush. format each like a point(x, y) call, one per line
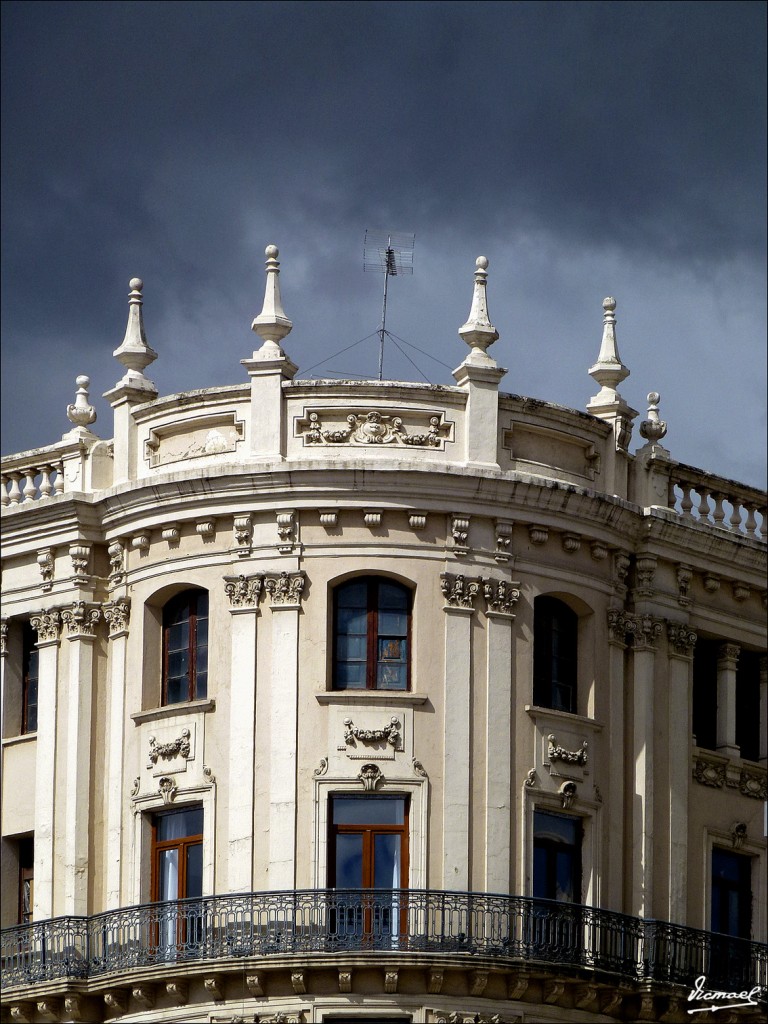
point(185, 647)
point(555, 654)
point(371, 635)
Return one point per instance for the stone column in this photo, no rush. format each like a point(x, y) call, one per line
point(80, 620)
point(47, 625)
point(620, 623)
point(243, 593)
point(680, 738)
point(727, 659)
point(284, 591)
point(764, 710)
point(117, 614)
point(460, 597)
point(3, 657)
point(647, 632)
point(500, 598)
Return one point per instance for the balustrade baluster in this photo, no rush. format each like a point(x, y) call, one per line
point(703, 507)
point(760, 530)
point(58, 484)
point(751, 524)
point(30, 487)
point(14, 496)
point(4, 490)
point(719, 514)
point(735, 520)
point(45, 482)
point(686, 502)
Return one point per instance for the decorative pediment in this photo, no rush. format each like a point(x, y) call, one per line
point(414, 428)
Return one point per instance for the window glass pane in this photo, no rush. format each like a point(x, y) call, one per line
point(179, 824)
point(178, 663)
point(556, 827)
point(350, 676)
point(386, 861)
point(368, 810)
point(391, 676)
point(201, 686)
point(194, 870)
point(353, 595)
point(202, 632)
point(351, 648)
point(177, 690)
point(391, 595)
point(201, 598)
point(352, 620)
point(349, 861)
point(168, 867)
point(31, 696)
point(178, 636)
point(393, 624)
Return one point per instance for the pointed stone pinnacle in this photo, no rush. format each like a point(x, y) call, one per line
point(134, 353)
point(272, 324)
point(608, 371)
point(478, 332)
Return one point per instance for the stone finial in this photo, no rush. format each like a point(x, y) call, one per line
point(272, 324)
point(478, 332)
point(81, 413)
point(654, 428)
point(134, 353)
point(608, 371)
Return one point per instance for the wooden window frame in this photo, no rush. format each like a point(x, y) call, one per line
point(552, 847)
point(369, 831)
point(545, 608)
point(372, 632)
point(26, 854)
point(191, 596)
point(29, 649)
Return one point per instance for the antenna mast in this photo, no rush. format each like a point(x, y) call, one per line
point(391, 254)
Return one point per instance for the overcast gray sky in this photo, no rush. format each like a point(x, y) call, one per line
point(588, 149)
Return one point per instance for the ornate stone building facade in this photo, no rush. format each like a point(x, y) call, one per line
point(375, 701)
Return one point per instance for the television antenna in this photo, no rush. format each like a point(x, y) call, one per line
point(390, 254)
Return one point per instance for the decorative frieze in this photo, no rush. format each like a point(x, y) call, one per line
point(390, 733)
point(753, 783)
point(684, 580)
point(557, 753)
point(503, 531)
point(571, 543)
point(370, 775)
point(117, 613)
point(116, 552)
point(460, 533)
point(458, 591)
point(417, 520)
point(47, 625)
point(201, 437)
point(47, 567)
point(244, 591)
point(286, 530)
point(80, 555)
point(374, 427)
point(81, 619)
point(682, 638)
point(709, 773)
point(243, 531)
point(645, 573)
point(285, 589)
point(500, 596)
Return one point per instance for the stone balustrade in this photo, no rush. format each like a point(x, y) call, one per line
point(714, 501)
point(24, 482)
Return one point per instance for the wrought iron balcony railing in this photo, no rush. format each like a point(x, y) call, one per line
point(510, 929)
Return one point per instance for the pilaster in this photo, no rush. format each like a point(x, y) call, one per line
point(284, 590)
point(500, 600)
point(117, 615)
point(81, 620)
point(764, 710)
point(47, 625)
point(681, 641)
point(727, 660)
point(243, 593)
point(620, 624)
point(460, 595)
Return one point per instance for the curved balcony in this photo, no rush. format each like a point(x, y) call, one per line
point(512, 931)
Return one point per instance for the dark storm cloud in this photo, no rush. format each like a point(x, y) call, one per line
point(593, 143)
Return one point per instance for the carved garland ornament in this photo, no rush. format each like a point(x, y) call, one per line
point(555, 753)
point(376, 428)
point(180, 746)
point(390, 733)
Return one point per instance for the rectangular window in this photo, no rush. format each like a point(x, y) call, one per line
point(29, 679)
point(177, 874)
point(705, 693)
point(556, 857)
point(731, 893)
point(26, 879)
point(371, 643)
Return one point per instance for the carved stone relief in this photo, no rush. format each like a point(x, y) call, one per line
point(370, 775)
point(170, 756)
point(458, 591)
point(117, 613)
point(285, 588)
point(244, 591)
point(194, 439)
point(80, 555)
point(374, 427)
point(682, 638)
point(81, 619)
point(500, 596)
point(47, 625)
point(116, 552)
point(46, 564)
